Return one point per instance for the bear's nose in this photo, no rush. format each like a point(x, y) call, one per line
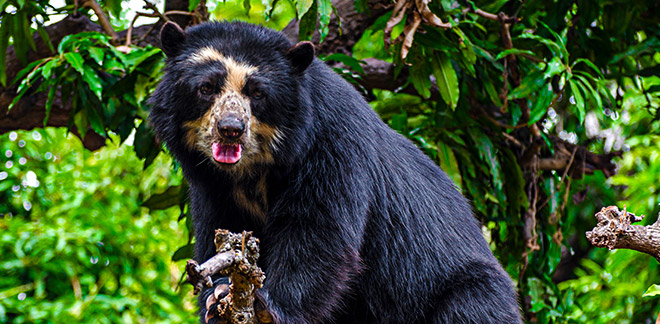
point(231, 127)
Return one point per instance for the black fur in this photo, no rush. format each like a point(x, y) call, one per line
point(361, 227)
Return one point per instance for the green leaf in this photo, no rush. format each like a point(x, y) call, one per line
point(586, 87)
point(514, 51)
point(325, 12)
point(47, 68)
point(49, 102)
point(654, 290)
point(80, 120)
point(5, 31)
point(76, 60)
point(97, 54)
point(589, 64)
point(516, 113)
point(489, 86)
point(362, 6)
point(560, 40)
point(419, 76)
point(20, 45)
point(26, 70)
point(269, 8)
point(307, 24)
point(145, 144)
point(95, 119)
point(399, 123)
point(579, 100)
point(93, 80)
point(552, 46)
point(554, 67)
point(445, 78)
point(247, 5)
point(514, 184)
point(27, 31)
point(184, 252)
point(25, 83)
point(166, 199)
point(448, 163)
point(135, 58)
point(192, 5)
point(530, 84)
point(70, 42)
point(487, 154)
point(648, 46)
point(540, 105)
point(302, 6)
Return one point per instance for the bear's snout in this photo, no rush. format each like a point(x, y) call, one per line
point(231, 127)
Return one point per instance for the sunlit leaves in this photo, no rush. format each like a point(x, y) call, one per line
point(652, 291)
point(86, 236)
point(311, 13)
point(302, 6)
point(98, 79)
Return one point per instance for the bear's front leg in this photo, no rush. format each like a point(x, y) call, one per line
point(310, 259)
point(217, 299)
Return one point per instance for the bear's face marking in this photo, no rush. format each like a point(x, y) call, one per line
point(228, 133)
point(237, 73)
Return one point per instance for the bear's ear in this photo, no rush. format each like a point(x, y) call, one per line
point(171, 39)
point(301, 56)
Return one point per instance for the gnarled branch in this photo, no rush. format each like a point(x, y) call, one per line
point(615, 231)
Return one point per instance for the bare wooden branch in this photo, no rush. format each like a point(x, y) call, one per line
point(236, 258)
point(615, 231)
point(200, 275)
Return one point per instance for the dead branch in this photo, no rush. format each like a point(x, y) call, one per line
point(236, 258)
point(615, 231)
point(420, 12)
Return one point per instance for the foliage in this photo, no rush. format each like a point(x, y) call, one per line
point(107, 87)
point(581, 72)
point(76, 246)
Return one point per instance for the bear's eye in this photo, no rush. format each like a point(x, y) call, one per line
point(205, 89)
point(257, 94)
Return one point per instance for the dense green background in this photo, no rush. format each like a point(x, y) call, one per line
point(90, 237)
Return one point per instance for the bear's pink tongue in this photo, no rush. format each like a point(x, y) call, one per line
point(227, 153)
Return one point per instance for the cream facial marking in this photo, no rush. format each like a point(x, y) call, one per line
point(237, 72)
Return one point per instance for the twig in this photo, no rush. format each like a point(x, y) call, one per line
point(512, 139)
point(103, 19)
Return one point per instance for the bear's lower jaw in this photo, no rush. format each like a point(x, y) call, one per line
point(227, 153)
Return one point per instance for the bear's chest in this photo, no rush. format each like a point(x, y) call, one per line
point(251, 196)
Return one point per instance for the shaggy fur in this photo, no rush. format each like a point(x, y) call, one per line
point(356, 224)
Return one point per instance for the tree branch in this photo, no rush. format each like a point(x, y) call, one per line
point(103, 19)
point(614, 231)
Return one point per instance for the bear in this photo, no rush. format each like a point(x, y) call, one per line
point(356, 223)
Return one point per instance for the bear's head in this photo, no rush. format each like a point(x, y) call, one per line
point(229, 94)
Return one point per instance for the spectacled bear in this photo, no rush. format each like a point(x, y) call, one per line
point(356, 224)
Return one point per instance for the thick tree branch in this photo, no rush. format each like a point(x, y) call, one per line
point(615, 231)
point(577, 159)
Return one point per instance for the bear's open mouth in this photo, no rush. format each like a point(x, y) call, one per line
point(227, 153)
